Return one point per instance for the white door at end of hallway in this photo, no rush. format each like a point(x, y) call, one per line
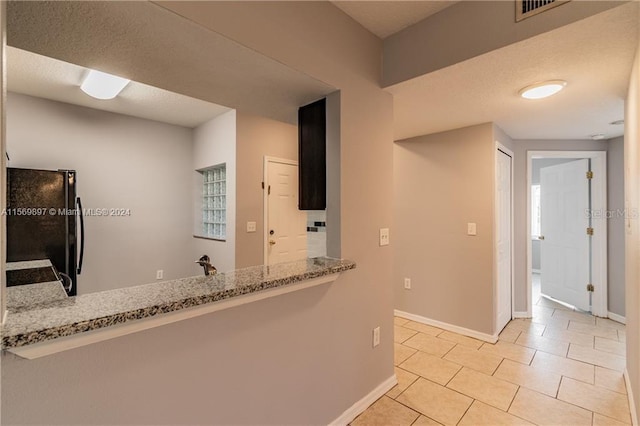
point(503, 238)
point(286, 226)
point(565, 248)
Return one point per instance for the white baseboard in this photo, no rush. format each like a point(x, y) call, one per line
point(522, 315)
point(617, 318)
point(449, 327)
point(632, 405)
point(354, 411)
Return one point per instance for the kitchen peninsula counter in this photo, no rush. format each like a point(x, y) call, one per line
point(124, 311)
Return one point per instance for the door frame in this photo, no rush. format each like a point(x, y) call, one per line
point(599, 223)
point(507, 151)
point(265, 200)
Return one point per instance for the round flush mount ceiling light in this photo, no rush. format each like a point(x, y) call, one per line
point(101, 85)
point(543, 89)
point(617, 122)
point(597, 136)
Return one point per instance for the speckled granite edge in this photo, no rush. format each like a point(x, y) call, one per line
point(223, 286)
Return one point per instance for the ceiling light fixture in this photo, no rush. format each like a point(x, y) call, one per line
point(543, 89)
point(597, 137)
point(617, 122)
point(101, 85)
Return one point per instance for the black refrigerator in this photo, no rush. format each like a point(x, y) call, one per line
point(43, 217)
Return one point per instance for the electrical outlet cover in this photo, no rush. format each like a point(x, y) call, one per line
point(384, 236)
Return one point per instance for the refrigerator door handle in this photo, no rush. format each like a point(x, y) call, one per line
point(66, 278)
point(79, 202)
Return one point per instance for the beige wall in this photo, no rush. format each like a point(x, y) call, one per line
point(122, 162)
point(303, 358)
point(437, 42)
point(501, 137)
point(257, 137)
point(442, 182)
point(615, 227)
point(214, 142)
point(632, 251)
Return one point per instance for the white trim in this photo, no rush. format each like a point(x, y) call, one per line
point(632, 402)
point(529, 241)
point(521, 315)
point(509, 153)
point(599, 241)
point(265, 200)
point(449, 327)
point(617, 318)
point(600, 261)
point(356, 409)
point(49, 347)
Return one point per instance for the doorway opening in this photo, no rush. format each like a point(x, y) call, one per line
point(567, 229)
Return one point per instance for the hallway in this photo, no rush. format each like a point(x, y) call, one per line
point(562, 367)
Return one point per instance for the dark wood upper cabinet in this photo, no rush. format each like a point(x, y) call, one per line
point(312, 156)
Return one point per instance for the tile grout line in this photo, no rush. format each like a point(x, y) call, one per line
point(570, 403)
point(438, 384)
point(616, 420)
point(416, 351)
point(466, 411)
point(442, 357)
point(453, 377)
point(535, 352)
point(512, 399)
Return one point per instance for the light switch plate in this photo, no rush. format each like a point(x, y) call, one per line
point(384, 236)
point(471, 229)
point(251, 227)
point(376, 336)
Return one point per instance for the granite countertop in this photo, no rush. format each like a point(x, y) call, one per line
point(39, 322)
point(30, 296)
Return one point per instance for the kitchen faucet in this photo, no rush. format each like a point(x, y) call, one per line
point(205, 262)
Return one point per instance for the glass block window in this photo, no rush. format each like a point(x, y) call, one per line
point(214, 202)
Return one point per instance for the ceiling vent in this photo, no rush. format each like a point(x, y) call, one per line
point(527, 8)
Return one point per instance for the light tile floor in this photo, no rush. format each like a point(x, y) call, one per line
point(562, 367)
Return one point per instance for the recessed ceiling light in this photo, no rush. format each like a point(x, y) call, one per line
point(597, 136)
point(101, 85)
point(543, 89)
point(617, 122)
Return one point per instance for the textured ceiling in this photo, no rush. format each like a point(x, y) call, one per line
point(37, 75)
point(384, 18)
point(149, 44)
point(593, 55)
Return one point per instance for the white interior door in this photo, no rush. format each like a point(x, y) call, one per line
point(503, 238)
point(286, 226)
point(565, 249)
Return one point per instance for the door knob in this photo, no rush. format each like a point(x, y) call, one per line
point(271, 242)
point(541, 237)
